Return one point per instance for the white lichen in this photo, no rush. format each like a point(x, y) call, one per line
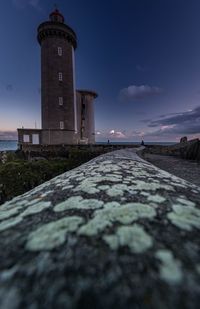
point(185, 202)
point(158, 199)
point(52, 235)
point(185, 217)
point(5, 214)
point(16, 217)
point(117, 190)
point(6, 224)
point(170, 268)
point(134, 237)
point(37, 208)
point(151, 186)
point(77, 202)
point(124, 214)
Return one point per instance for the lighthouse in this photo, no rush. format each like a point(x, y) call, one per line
point(67, 114)
point(58, 96)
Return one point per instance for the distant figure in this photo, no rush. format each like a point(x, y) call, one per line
point(142, 143)
point(183, 139)
point(108, 141)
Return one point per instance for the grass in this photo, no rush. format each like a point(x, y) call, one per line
point(18, 176)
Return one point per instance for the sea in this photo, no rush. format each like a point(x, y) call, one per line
point(8, 145)
point(12, 145)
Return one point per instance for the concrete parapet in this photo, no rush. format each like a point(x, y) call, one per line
point(116, 232)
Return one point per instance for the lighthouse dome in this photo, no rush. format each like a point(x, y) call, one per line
point(56, 16)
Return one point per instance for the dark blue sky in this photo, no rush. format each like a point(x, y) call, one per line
point(141, 56)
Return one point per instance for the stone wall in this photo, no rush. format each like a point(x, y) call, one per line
point(51, 151)
point(187, 150)
point(116, 232)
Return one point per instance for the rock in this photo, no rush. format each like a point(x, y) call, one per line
point(183, 139)
point(116, 232)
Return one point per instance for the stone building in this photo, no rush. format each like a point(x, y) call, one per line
point(67, 113)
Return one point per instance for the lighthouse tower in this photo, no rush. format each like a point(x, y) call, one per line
point(67, 113)
point(58, 96)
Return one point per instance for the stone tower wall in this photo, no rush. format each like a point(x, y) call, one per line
point(85, 119)
point(52, 35)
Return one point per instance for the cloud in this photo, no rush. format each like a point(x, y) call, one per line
point(8, 135)
point(121, 135)
point(183, 123)
point(21, 4)
point(117, 134)
point(134, 92)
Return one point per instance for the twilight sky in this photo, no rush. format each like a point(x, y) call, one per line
point(141, 56)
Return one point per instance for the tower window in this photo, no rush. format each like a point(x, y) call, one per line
point(60, 100)
point(59, 51)
point(61, 125)
point(60, 76)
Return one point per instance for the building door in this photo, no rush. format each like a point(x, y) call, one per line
point(35, 139)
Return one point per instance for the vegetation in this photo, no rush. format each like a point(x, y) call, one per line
point(18, 176)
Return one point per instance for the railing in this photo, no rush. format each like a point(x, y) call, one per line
point(116, 232)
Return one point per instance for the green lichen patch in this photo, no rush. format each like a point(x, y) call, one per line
point(17, 217)
point(198, 268)
point(45, 194)
point(117, 190)
point(185, 217)
point(13, 204)
point(37, 208)
point(135, 237)
point(94, 226)
point(110, 205)
point(170, 268)
point(185, 202)
point(151, 186)
point(6, 224)
point(127, 213)
point(77, 202)
point(87, 186)
point(5, 214)
point(110, 168)
point(67, 187)
point(158, 199)
point(114, 212)
point(33, 201)
point(52, 235)
point(103, 187)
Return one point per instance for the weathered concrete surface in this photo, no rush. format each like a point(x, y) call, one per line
point(186, 169)
point(189, 150)
point(116, 232)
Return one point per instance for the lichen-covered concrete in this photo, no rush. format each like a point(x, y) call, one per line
point(116, 232)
